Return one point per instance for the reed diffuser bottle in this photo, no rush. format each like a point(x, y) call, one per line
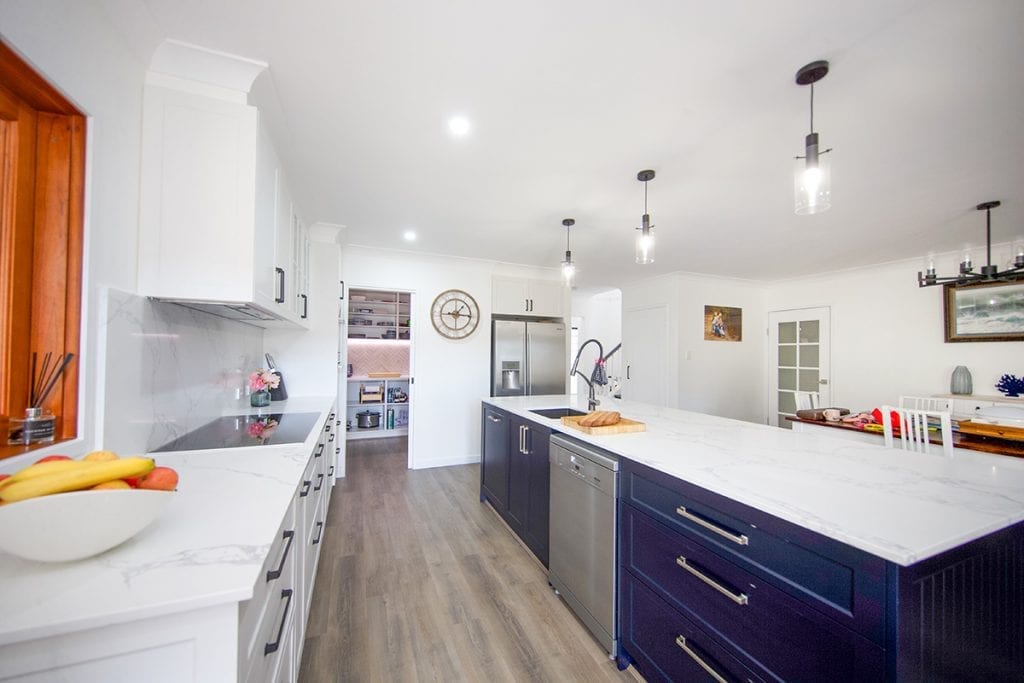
point(39, 425)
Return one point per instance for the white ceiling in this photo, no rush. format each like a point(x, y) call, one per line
point(924, 106)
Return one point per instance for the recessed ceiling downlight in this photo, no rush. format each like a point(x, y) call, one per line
point(459, 126)
point(409, 235)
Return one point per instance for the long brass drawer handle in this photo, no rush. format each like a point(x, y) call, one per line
point(739, 599)
point(681, 642)
point(741, 539)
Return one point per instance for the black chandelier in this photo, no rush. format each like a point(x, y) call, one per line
point(988, 273)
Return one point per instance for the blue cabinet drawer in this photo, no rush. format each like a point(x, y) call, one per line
point(773, 629)
point(666, 646)
point(839, 581)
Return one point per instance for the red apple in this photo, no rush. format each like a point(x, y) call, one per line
point(53, 457)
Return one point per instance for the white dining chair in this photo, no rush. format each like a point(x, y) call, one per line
point(914, 429)
point(807, 400)
point(926, 403)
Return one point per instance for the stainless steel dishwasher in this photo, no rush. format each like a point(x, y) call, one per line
point(584, 486)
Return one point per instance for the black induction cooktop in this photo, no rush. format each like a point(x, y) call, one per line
point(239, 431)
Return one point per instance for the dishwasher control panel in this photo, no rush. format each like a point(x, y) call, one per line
point(594, 468)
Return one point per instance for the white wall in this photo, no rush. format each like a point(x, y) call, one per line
point(451, 376)
point(887, 333)
point(718, 377)
point(76, 48)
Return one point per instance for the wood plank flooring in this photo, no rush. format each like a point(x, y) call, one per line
point(420, 581)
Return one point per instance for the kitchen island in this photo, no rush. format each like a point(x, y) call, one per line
point(869, 556)
point(173, 602)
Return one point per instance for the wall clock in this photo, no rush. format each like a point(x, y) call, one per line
point(455, 314)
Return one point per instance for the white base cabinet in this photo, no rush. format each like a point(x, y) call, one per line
point(257, 640)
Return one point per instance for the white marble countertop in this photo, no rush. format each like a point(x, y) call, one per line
point(206, 548)
point(901, 506)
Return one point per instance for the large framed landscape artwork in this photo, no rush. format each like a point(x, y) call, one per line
point(985, 312)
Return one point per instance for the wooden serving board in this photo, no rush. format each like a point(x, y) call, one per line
point(995, 431)
point(623, 426)
point(383, 375)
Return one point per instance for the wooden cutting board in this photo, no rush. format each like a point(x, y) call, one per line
point(623, 426)
point(995, 431)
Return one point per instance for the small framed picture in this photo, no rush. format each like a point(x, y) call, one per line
point(984, 312)
point(723, 323)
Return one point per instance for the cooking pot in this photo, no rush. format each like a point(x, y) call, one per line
point(367, 419)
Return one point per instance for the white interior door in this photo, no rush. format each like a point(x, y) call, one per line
point(799, 360)
point(645, 355)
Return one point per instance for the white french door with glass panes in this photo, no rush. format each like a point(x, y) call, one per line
point(799, 354)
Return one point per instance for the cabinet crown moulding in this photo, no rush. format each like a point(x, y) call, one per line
point(195, 63)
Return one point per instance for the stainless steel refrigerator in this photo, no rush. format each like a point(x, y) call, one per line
point(527, 358)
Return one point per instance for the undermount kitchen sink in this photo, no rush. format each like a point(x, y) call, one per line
point(556, 413)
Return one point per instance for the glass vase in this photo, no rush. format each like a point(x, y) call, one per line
point(260, 399)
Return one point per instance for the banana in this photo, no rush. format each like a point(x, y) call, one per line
point(76, 479)
point(41, 468)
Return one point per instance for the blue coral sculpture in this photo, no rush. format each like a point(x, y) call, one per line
point(1011, 385)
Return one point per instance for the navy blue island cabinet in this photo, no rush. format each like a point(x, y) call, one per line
point(515, 475)
point(710, 589)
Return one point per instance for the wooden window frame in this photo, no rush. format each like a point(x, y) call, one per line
point(42, 195)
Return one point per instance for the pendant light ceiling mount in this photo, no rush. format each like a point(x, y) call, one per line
point(812, 184)
point(645, 240)
point(989, 272)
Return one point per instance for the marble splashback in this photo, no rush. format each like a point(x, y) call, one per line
point(169, 369)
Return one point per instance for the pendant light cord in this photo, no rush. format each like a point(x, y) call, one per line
point(645, 196)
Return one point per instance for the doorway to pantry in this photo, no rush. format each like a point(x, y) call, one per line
point(379, 385)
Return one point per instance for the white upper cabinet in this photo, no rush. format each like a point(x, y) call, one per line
point(216, 219)
point(519, 296)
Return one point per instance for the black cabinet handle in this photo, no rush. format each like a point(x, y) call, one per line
point(330, 472)
point(342, 283)
point(319, 533)
point(627, 372)
point(319, 482)
point(271, 648)
point(276, 573)
point(305, 488)
point(526, 305)
point(305, 306)
point(280, 282)
point(331, 440)
point(319, 450)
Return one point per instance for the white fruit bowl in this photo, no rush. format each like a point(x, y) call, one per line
point(73, 526)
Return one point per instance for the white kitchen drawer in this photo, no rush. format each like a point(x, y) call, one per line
point(276, 575)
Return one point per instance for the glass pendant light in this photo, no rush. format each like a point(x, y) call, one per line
point(568, 267)
point(812, 182)
point(645, 240)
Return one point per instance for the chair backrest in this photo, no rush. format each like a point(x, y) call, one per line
point(914, 429)
point(807, 400)
point(926, 403)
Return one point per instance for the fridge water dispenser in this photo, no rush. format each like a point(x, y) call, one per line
point(510, 376)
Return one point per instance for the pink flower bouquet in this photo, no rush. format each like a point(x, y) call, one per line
point(264, 379)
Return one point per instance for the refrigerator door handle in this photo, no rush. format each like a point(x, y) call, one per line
point(529, 370)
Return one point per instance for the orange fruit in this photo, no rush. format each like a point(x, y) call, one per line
point(112, 484)
point(160, 479)
point(100, 456)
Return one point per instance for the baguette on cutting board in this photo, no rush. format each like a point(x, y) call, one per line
point(600, 418)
